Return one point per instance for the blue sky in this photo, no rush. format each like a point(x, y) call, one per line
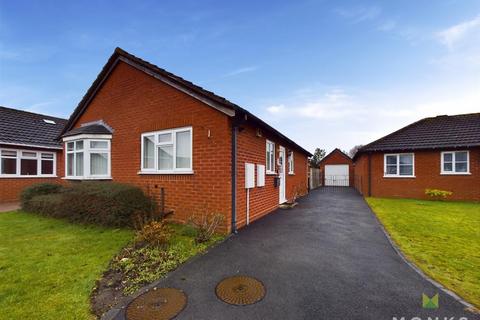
point(326, 73)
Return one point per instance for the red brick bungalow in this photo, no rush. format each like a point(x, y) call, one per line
point(337, 169)
point(434, 153)
point(142, 125)
point(29, 151)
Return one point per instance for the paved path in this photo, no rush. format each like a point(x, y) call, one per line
point(9, 206)
point(325, 259)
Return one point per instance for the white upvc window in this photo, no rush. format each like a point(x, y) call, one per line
point(455, 162)
point(270, 157)
point(87, 159)
point(291, 163)
point(167, 151)
point(19, 163)
point(400, 165)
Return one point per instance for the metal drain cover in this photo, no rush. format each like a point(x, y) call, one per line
point(240, 290)
point(161, 304)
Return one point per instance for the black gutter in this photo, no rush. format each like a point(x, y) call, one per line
point(234, 176)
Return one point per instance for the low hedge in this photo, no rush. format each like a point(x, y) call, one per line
point(39, 189)
point(101, 203)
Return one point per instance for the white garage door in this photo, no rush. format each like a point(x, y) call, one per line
point(337, 175)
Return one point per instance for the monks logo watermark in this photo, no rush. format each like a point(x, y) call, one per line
point(429, 303)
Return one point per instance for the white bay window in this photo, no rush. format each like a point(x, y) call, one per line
point(167, 151)
point(87, 158)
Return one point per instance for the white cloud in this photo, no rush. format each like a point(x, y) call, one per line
point(387, 25)
point(451, 36)
point(241, 70)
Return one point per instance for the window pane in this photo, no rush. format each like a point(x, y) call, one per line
point(406, 159)
point(70, 146)
point(164, 137)
point(47, 167)
point(47, 155)
point(79, 164)
point(165, 157)
point(392, 160)
point(70, 157)
point(29, 154)
point(9, 166)
point(149, 152)
point(28, 167)
point(99, 144)
point(183, 156)
point(406, 170)
point(391, 169)
point(8, 153)
point(447, 157)
point(460, 167)
point(461, 156)
point(99, 164)
point(447, 166)
point(79, 145)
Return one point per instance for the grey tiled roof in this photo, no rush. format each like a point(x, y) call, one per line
point(89, 129)
point(27, 128)
point(458, 131)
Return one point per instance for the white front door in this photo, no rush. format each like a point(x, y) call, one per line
point(281, 174)
point(337, 175)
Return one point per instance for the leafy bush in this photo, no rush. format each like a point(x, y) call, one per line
point(438, 194)
point(101, 203)
point(37, 190)
point(206, 226)
point(155, 233)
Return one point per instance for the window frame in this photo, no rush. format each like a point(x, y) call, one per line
point(267, 158)
point(157, 144)
point(291, 162)
point(87, 151)
point(18, 160)
point(454, 172)
point(398, 175)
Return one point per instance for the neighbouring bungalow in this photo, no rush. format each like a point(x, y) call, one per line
point(142, 125)
point(29, 151)
point(441, 152)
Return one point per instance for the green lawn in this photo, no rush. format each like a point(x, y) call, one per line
point(442, 238)
point(48, 267)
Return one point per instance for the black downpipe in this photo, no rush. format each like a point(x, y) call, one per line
point(234, 177)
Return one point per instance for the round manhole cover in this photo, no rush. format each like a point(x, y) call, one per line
point(161, 304)
point(240, 290)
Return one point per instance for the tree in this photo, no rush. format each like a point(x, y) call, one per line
point(354, 150)
point(318, 155)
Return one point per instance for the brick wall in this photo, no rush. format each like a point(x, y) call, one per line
point(10, 188)
point(427, 175)
point(132, 103)
point(252, 149)
point(336, 157)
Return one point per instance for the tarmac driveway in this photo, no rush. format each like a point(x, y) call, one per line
point(325, 259)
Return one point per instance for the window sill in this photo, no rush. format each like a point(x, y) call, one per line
point(87, 178)
point(455, 174)
point(291, 173)
point(271, 173)
point(26, 177)
point(400, 177)
point(164, 172)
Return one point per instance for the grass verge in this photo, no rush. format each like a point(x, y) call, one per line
point(442, 238)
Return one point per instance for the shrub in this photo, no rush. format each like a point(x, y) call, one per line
point(46, 204)
point(37, 190)
point(101, 203)
point(206, 226)
point(155, 233)
point(438, 194)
